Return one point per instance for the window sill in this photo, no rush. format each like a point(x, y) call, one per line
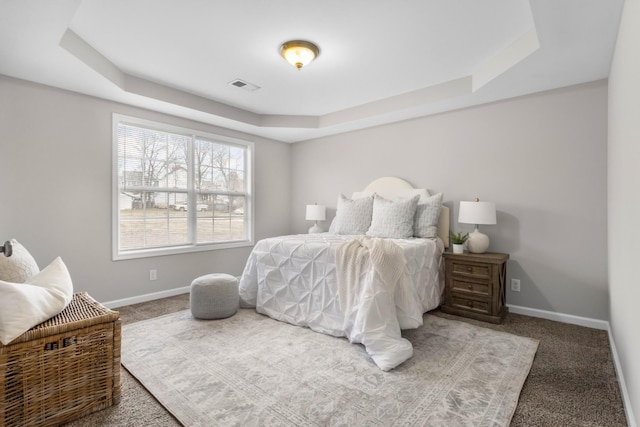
point(177, 250)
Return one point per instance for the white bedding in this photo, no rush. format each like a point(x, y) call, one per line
point(294, 279)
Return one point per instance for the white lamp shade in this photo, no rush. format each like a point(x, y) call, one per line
point(316, 213)
point(477, 213)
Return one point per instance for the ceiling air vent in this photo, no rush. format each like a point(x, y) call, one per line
point(249, 87)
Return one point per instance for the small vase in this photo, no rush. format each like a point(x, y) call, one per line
point(458, 249)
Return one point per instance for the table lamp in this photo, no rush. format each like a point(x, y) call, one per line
point(477, 213)
point(315, 213)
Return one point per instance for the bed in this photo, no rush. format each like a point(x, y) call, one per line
point(363, 282)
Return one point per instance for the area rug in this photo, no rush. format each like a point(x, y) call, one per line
point(250, 370)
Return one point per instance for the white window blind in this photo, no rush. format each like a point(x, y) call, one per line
point(177, 190)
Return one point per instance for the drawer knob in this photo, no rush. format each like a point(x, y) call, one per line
point(469, 269)
point(470, 287)
point(470, 304)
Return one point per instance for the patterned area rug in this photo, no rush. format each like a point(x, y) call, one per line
point(250, 370)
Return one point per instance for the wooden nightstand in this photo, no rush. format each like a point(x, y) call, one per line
point(475, 285)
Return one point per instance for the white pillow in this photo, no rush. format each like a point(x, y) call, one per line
point(353, 216)
point(25, 305)
point(426, 218)
point(20, 266)
point(405, 193)
point(393, 219)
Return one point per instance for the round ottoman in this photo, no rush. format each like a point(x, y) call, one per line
point(214, 296)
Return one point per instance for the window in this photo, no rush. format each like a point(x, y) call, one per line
point(176, 190)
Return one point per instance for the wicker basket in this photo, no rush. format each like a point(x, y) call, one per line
point(62, 369)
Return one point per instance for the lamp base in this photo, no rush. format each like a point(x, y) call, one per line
point(315, 229)
point(478, 242)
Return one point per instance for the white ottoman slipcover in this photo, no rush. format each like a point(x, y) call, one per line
point(214, 296)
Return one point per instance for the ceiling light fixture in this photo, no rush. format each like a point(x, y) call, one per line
point(299, 52)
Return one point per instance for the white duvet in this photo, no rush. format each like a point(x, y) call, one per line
point(295, 279)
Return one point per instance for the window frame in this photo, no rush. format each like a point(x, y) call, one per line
point(191, 192)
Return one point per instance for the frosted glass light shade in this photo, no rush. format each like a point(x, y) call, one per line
point(299, 52)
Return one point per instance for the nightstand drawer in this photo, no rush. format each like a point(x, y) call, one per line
point(472, 270)
point(478, 288)
point(467, 304)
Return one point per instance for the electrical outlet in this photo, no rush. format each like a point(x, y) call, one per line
point(515, 285)
point(153, 274)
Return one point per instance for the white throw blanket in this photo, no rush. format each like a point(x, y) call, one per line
point(368, 272)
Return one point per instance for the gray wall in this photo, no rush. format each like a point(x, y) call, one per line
point(540, 158)
point(624, 201)
point(55, 164)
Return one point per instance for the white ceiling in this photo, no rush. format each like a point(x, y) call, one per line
point(381, 60)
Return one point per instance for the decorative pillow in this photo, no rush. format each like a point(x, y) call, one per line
point(20, 266)
point(25, 305)
point(393, 218)
point(353, 216)
point(426, 219)
point(405, 193)
point(332, 226)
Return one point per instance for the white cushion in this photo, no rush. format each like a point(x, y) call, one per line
point(427, 216)
point(404, 193)
point(353, 216)
point(25, 305)
point(20, 266)
point(393, 219)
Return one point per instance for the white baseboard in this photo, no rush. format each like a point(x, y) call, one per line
point(560, 317)
point(146, 297)
point(590, 323)
point(623, 387)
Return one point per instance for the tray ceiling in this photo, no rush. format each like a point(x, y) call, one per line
point(380, 61)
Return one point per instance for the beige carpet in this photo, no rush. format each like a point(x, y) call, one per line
point(252, 370)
